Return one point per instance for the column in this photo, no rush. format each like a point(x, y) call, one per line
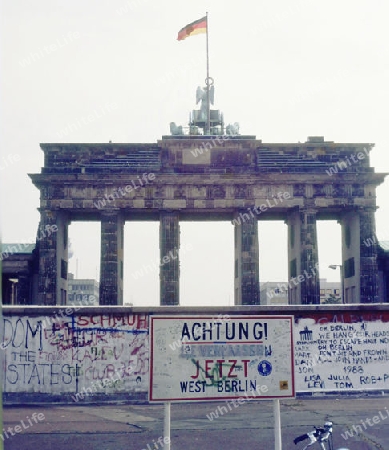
point(369, 281)
point(24, 289)
point(52, 248)
point(294, 256)
point(169, 245)
point(62, 258)
point(111, 258)
point(308, 278)
point(246, 260)
point(351, 256)
point(6, 290)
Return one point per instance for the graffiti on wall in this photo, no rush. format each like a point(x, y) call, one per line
point(80, 353)
point(342, 352)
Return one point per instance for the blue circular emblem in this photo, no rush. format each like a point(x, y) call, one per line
point(264, 368)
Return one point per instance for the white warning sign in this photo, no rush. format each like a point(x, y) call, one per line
point(223, 357)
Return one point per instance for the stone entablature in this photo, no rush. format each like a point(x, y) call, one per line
point(235, 178)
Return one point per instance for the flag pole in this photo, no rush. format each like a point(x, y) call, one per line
point(208, 127)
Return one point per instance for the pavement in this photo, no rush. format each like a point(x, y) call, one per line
point(249, 425)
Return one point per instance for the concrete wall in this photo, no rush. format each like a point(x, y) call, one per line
point(54, 354)
point(100, 354)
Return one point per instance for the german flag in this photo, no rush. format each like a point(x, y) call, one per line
point(197, 27)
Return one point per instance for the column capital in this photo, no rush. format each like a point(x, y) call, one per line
point(110, 212)
point(49, 211)
point(367, 209)
point(309, 209)
point(168, 212)
point(244, 215)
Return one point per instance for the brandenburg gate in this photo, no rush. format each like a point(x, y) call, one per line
point(223, 177)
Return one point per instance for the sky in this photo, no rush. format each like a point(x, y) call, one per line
point(284, 70)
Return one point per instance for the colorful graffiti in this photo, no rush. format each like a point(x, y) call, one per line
point(76, 355)
point(69, 354)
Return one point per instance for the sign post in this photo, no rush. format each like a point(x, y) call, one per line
point(277, 424)
point(205, 358)
point(166, 426)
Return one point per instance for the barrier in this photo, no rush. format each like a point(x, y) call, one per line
point(90, 354)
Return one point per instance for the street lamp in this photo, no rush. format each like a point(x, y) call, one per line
point(334, 266)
